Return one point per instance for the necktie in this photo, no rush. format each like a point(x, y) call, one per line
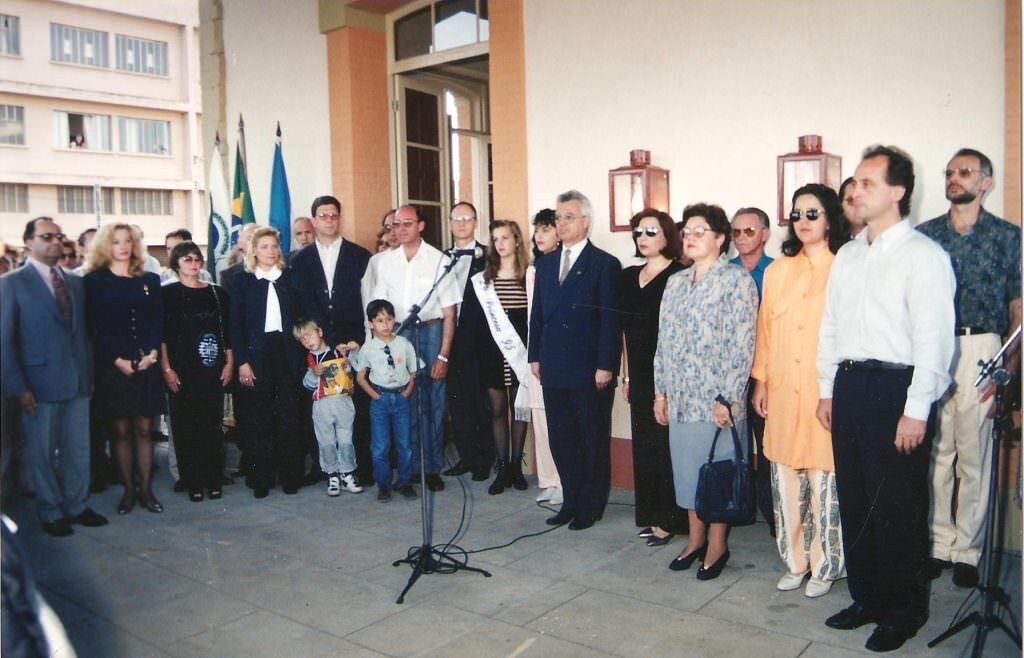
point(565, 268)
point(60, 293)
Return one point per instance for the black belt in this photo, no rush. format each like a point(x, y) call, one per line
point(383, 389)
point(872, 364)
point(971, 331)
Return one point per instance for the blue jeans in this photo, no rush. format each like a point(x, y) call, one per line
point(428, 422)
point(389, 419)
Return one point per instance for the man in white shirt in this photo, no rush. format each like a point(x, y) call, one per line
point(403, 278)
point(884, 353)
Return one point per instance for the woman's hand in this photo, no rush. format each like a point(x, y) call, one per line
point(227, 373)
point(625, 390)
point(125, 366)
point(661, 411)
point(759, 399)
point(172, 380)
point(245, 376)
point(720, 413)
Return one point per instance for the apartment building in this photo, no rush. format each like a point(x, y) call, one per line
point(100, 107)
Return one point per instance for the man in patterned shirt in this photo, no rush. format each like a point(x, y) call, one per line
point(985, 251)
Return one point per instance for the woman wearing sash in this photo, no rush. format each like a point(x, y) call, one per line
point(497, 299)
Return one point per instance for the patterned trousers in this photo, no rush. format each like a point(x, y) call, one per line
point(809, 533)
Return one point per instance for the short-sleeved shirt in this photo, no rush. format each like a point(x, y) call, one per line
point(393, 373)
point(758, 272)
point(986, 261)
point(405, 282)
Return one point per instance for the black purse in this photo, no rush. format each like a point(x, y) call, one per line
point(723, 487)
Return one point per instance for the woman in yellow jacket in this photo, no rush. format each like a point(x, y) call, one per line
point(786, 393)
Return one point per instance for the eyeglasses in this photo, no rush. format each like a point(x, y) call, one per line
point(50, 237)
point(696, 231)
point(964, 172)
point(190, 259)
point(387, 350)
point(748, 231)
point(403, 222)
point(467, 218)
point(331, 216)
point(811, 214)
point(563, 219)
point(67, 255)
point(650, 231)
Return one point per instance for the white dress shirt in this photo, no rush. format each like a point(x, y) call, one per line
point(329, 260)
point(574, 253)
point(273, 317)
point(404, 282)
point(891, 300)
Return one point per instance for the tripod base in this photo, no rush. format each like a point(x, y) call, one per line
point(427, 560)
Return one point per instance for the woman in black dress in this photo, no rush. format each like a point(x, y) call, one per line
point(657, 241)
point(126, 316)
point(197, 364)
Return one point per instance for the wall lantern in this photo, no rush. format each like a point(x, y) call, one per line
point(633, 188)
point(808, 165)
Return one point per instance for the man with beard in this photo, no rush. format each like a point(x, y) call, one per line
point(985, 251)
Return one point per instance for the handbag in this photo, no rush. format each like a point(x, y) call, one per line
point(723, 487)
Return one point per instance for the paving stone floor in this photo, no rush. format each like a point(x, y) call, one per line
point(308, 575)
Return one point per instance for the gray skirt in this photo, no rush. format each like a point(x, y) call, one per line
point(689, 444)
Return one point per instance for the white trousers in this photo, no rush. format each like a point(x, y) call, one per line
point(808, 529)
point(962, 447)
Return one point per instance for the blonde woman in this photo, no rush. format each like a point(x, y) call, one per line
point(126, 315)
point(264, 307)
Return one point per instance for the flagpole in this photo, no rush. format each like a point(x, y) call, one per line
point(241, 141)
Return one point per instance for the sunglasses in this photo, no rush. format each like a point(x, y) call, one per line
point(964, 172)
point(67, 255)
point(748, 231)
point(387, 350)
point(697, 231)
point(650, 231)
point(811, 214)
point(50, 237)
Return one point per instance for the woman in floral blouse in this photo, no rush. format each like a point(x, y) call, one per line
point(705, 349)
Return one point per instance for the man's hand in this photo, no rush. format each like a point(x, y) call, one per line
point(439, 370)
point(909, 434)
point(824, 413)
point(602, 378)
point(27, 401)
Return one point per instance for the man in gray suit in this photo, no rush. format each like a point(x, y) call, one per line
point(47, 366)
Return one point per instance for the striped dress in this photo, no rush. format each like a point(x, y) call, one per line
point(512, 295)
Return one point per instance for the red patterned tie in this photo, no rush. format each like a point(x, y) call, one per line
point(60, 292)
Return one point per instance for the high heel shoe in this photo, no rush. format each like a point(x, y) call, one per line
point(500, 478)
point(712, 572)
point(151, 504)
point(127, 503)
point(514, 475)
point(683, 563)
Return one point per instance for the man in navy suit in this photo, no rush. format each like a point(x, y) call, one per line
point(47, 366)
point(574, 349)
point(329, 272)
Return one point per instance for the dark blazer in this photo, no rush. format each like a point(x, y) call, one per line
point(464, 342)
point(248, 318)
point(574, 327)
point(341, 311)
point(227, 275)
point(41, 353)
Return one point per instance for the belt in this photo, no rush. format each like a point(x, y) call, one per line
point(971, 331)
point(424, 323)
point(872, 364)
point(384, 389)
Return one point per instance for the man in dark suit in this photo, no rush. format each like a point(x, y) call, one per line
point(328, 275)
point(47, 366)
point(574, 349)
point(467, 397)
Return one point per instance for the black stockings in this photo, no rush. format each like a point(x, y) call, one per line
point(143, 448)
point(501, 399)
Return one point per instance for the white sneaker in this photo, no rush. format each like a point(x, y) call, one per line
point(334, 486)
point(545, 495)
point(816, 588)
point(556, 496)
point(351, 482)
point(790, 582)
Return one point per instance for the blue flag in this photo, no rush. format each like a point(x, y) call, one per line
point(280, 198)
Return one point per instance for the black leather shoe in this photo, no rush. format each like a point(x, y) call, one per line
point(933, 566)
point(715, 570)
point(646, 532)
point(965, 575)
point(850, 618)
point(460, 468)
point(260, 492)
point(215, 493)
point(481, 475)
point(887, 638)
point(683, 562)
point(289, 489)
point(580, 523)
point(151, 504)
point(90, 519)
point(434, 482)
point(655, 540)
point(59, 528)
point(559, 519)
point(127, 503)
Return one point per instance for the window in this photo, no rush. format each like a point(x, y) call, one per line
point(13, 197)
point(78, 46)
point(81, 200)
point(141, 55)
point(146, 202)
point(443, 25)
point(90, 132)
point(12, 124)
point(144, 136)
point(10, 35)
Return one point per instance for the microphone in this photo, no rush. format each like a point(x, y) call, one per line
point(475, 252)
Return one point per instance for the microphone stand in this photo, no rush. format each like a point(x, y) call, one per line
point(992, 595)
point(425, 559)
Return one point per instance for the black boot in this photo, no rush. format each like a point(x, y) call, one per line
point(498, 486)
point(514, 474)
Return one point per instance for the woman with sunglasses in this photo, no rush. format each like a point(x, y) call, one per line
point(799, 448)
point(197, 364)
point(126, 314)
point(705, 348)
point(657, 242)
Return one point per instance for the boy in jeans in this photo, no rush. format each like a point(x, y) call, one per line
point(333, 411)
point(385, 367)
